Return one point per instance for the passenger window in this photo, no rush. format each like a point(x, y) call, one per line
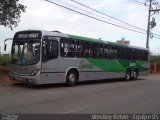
point(111, 52)
point(83, 49)
point(97, 50)
point(67, 47)
point(120, 54)
point(106, 51)
point(128, 53)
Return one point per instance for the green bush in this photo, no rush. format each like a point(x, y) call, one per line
point(155, 58)
point(4, 60)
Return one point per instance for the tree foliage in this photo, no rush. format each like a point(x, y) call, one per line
point(10, 11)
point(4, 60)
point(155, 58)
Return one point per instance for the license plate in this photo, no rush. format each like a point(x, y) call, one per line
point(19, 78)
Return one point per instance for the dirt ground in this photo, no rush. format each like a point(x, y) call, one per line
point(4, 80)
point(4, 76)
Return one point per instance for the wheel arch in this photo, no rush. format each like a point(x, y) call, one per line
point(128, 68)
point(74, 69)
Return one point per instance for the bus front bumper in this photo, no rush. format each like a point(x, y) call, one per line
point(25, 79)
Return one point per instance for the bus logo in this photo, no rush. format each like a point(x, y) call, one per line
point(85, 66)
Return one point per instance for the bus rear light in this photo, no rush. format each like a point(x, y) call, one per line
point(34, 72)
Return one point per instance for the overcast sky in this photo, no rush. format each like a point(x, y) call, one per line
point(42, 15)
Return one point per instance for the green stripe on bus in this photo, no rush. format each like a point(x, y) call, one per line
point(116, 65)
point(85, 38)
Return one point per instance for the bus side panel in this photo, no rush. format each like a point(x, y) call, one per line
point(50, 72)
point(117, 75)
point(47, 78)
point(83, 76)
point(86, 70)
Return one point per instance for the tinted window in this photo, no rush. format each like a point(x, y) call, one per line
point(97, 50)
point(111, 52)
point(106, 51)
point(120, 54)
point(83, 49)
point(67, 47)
point(49, 49)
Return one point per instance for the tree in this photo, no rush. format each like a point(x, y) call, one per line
point(10, 11)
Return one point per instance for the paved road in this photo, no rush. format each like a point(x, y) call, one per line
point(111, 96)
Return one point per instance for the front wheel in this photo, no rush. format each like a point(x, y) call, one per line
point(71, 78)
point(128, 75)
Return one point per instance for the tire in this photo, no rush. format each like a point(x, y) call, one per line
point(71, 78)
point(128, 75)
point(135, 75)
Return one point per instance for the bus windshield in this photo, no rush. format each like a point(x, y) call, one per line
point(25, 52)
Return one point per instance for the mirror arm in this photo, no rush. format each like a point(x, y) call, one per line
point(5, 45)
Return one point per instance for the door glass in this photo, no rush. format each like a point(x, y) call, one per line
point(50, 49)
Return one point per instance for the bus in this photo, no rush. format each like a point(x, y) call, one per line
point(45, 57)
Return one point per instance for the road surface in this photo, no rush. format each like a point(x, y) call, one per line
point(110, 96)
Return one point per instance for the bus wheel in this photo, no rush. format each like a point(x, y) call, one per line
point(128, 75)
point(71, 78)
point(135, 74)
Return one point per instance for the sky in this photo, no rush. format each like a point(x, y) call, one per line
point(42, 15)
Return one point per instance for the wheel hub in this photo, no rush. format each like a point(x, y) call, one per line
point(72, 77)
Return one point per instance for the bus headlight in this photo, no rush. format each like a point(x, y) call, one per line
point(34, 72)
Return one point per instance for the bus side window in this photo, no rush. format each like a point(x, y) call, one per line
point(83, 49)
point(71, 49)
point(61, 48)
point(133, 54)
point(116, 52)
point(97, 50)
point(78, 49)
point(111, 51)
point(128, 53)
point(67, 47)
point(120, 52)
point(106, 49)
point(146, 55)
point(87, 50)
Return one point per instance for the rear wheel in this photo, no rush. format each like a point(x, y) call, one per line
point(71, 78)
point(128, 75)
point(135, 74)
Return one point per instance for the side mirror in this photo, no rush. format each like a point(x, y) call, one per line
point(5, 47)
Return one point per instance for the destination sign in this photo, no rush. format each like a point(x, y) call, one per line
point(28, 35)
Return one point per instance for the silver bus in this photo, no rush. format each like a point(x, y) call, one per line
point(45, 57)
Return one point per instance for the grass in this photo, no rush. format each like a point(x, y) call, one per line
point(4, 60)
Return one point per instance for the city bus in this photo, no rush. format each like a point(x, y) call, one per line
point(45, 57)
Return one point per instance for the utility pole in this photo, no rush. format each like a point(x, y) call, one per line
point(148, 26)
point(151, 24)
